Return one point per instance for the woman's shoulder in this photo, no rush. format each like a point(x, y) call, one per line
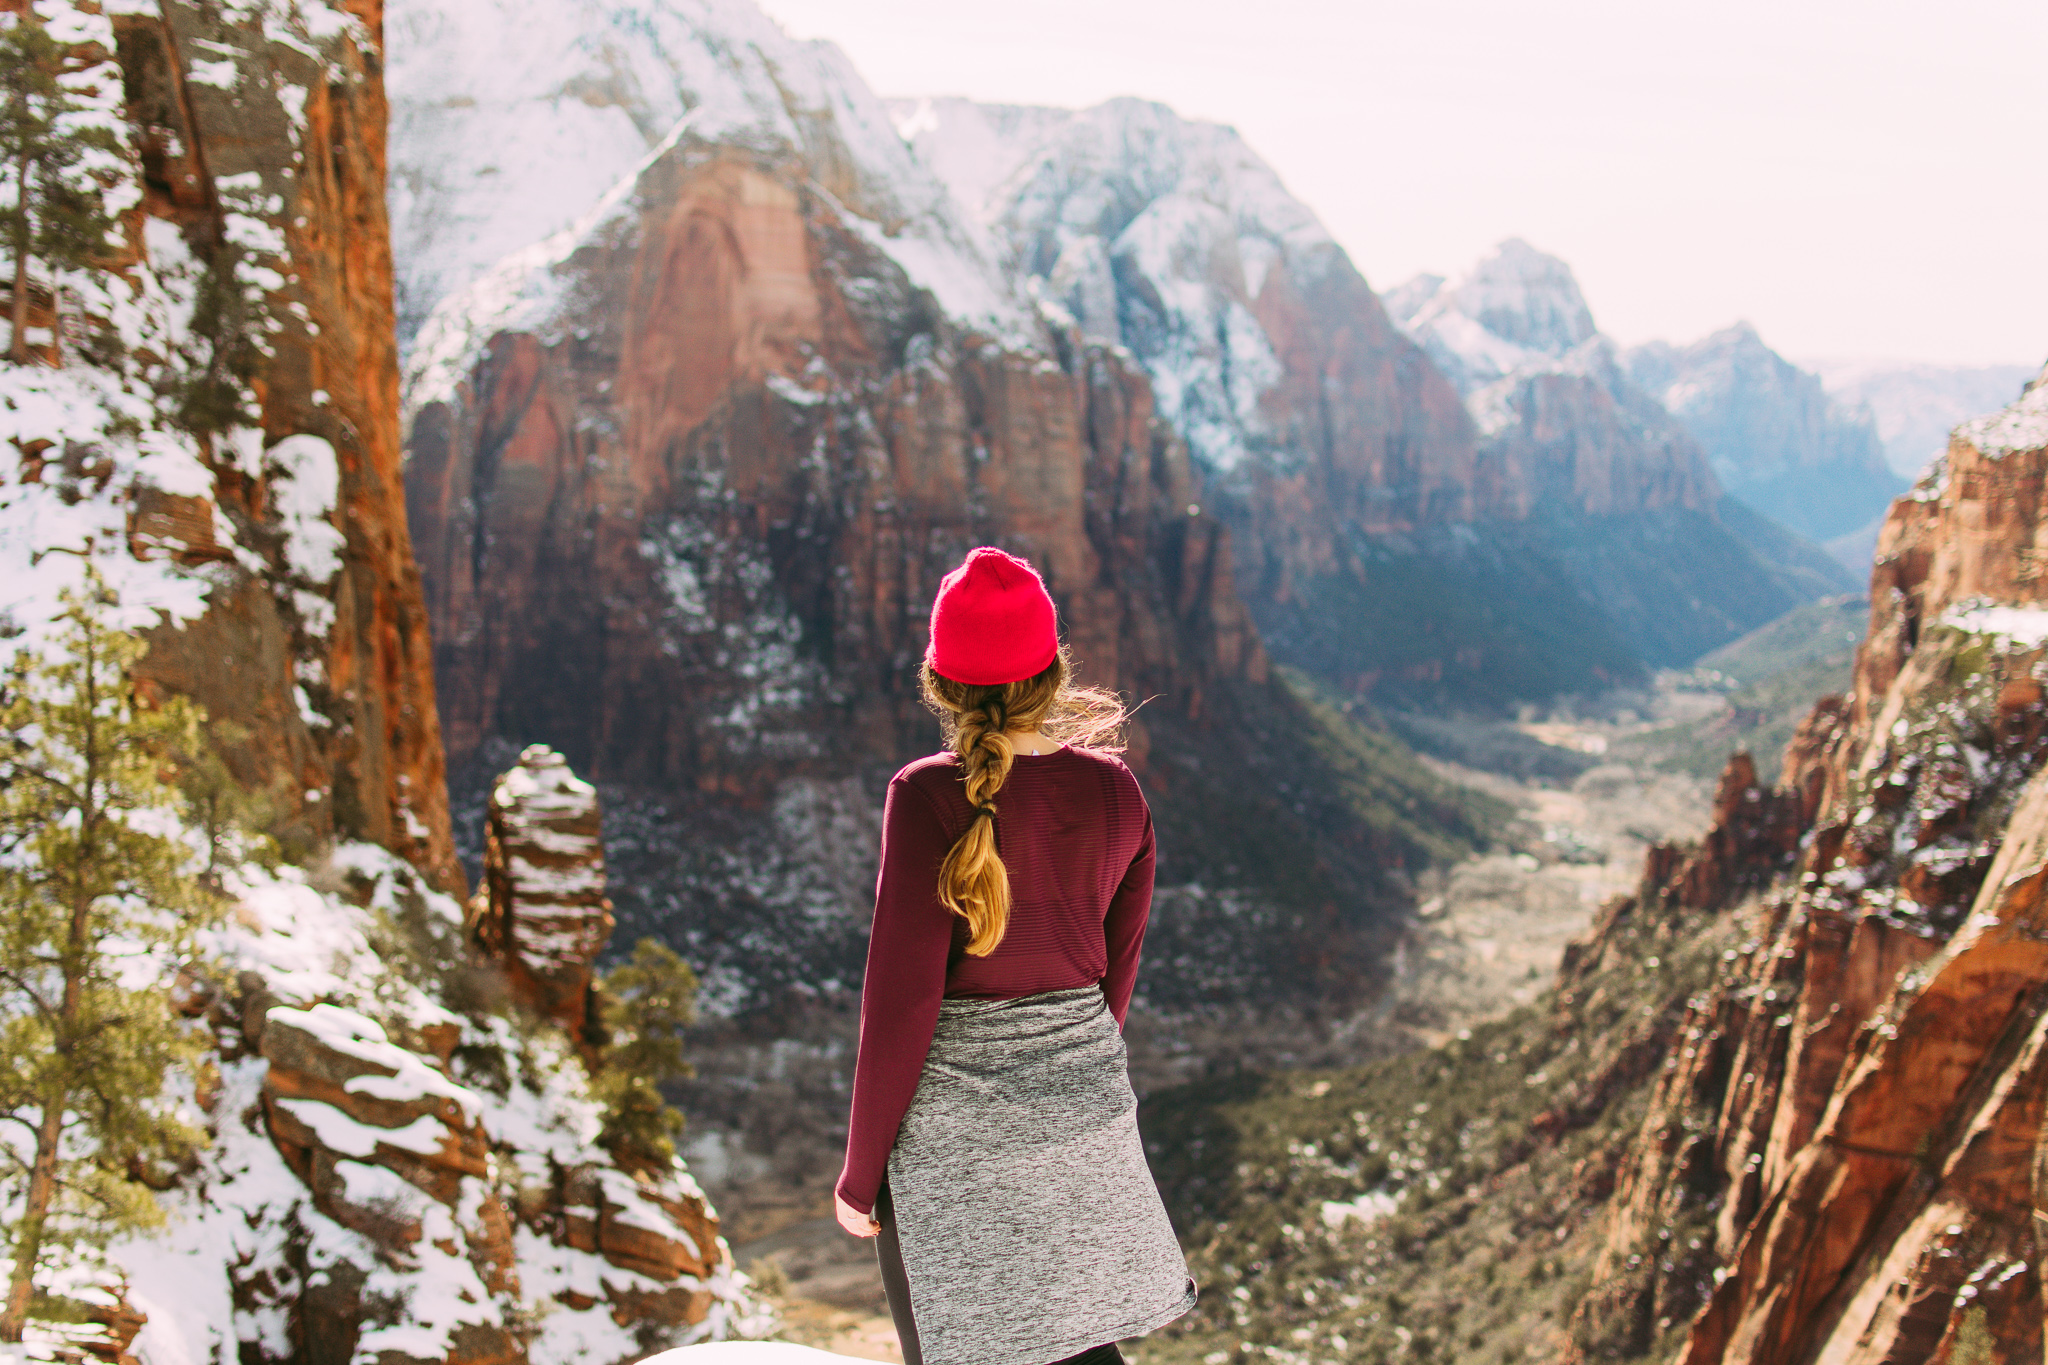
point(1104, 765)
point(934, 774)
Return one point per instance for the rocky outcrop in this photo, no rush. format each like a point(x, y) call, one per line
point(393, 1171)
point(314, 655)
point(542, 914)
point(1847, 1142)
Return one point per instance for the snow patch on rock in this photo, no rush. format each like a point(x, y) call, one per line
point(2020, 426)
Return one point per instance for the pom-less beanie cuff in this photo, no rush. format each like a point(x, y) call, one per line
point(992, 621)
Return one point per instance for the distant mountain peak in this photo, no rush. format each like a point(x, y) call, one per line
point(1525, 296)
point(1517, 310)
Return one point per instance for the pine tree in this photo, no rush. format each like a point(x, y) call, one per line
point(648, 1000)
point(99, 901)
point(57, 214)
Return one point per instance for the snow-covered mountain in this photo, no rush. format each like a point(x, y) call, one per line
point(1775, 437)
point(1916, 406)
point(1515, 334)
point(1516, 310)
point(1172, 237)
point(511, 124)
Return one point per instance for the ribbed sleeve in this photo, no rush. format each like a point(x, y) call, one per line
point(906, 979)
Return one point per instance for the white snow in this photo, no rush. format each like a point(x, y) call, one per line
point(1517, 312)
point(2023, 626)
point(2020, 426)
point(1365, 1210)
point(512, 123)
point(343, 1134)
point(1077, 199)
point(744, 1353)
point(305, 494)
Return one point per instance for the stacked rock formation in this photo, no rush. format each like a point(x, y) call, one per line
point(541, 912)
point(1854, 1124)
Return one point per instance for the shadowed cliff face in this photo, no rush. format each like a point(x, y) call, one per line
point(274, 178)
point(1852, 1126)
point(684, 526)
point(693, 541)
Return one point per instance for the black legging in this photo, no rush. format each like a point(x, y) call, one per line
point(889, 1251)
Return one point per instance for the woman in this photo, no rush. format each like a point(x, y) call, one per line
point(993, 1147)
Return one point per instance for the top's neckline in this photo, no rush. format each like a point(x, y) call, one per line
point(1049, 753)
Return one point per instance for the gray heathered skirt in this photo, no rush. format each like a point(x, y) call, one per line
point(1030, 1226)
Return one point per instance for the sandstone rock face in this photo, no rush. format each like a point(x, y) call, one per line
point(1850, 1132)
point(541, 912)
point(390, 1168)
point(320, 660)
point(768, 473)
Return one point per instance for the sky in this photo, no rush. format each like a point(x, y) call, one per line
point(1858, 180)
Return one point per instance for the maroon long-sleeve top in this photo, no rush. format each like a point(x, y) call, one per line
point(1076, 837)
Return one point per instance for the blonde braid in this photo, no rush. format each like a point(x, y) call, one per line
point(973, 883)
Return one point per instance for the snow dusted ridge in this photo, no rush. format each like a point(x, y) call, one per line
point(1517, 313)
point(1151, 231)
point(1516, 309)
point(518, 130)
point(2020, 426)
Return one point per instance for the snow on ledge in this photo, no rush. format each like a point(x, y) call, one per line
point(2021, 426)
point(2025, 626)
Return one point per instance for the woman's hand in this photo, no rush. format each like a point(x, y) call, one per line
point(853, 1220)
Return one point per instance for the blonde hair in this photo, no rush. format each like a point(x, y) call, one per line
point(973, 883)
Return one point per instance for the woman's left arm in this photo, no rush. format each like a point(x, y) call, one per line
point(1123, 928)
point(900, 994)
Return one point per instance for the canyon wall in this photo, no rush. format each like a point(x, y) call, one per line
point(405, 1160)
point(1839, 1162)
point(683, 478)
point(766, 475)
point(264, 183)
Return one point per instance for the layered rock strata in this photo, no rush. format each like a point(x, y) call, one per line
point(315, 652)
point(1847, 1142)
point(542, 913)
point(395, 1172)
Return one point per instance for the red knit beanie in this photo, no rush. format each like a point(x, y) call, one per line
point(992, 621)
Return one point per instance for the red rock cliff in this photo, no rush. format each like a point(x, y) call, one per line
point(274, 178)
point(1850, 1135)
point(697, 525)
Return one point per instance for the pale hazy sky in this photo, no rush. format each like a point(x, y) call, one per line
point(1857, 179)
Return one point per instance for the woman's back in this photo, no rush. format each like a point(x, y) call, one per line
point(1073, 828)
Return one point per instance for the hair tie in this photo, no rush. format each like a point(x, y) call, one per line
point(980, 811)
